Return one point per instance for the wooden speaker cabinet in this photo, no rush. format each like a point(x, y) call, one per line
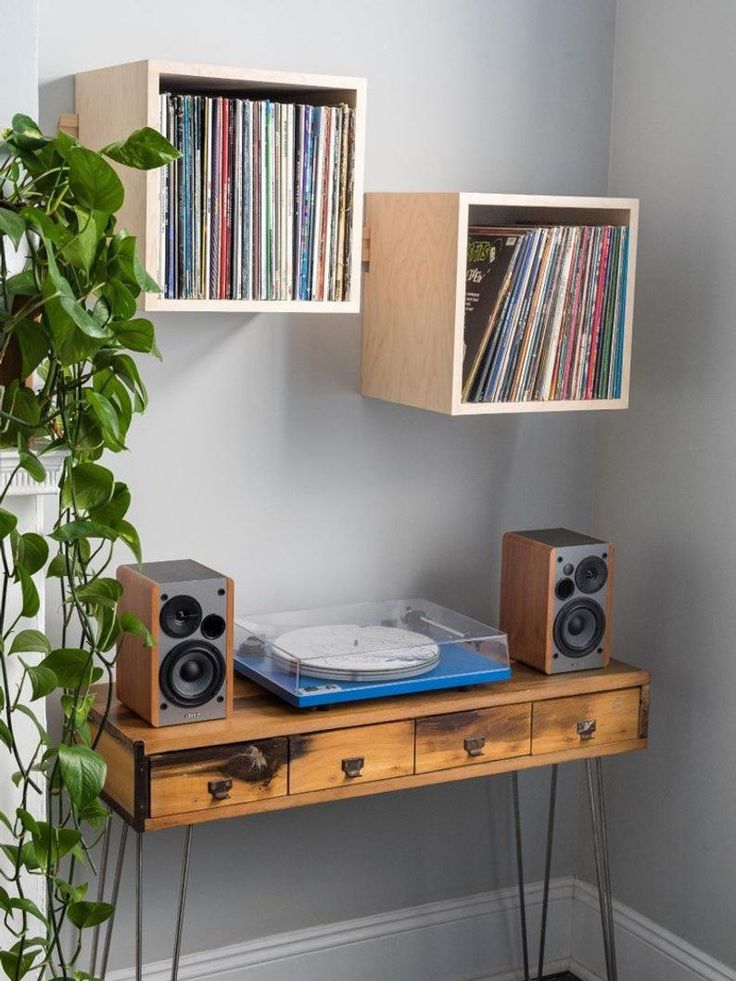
point(187, 676)
point(556, 599)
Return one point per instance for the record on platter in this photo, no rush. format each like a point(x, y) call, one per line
point(348, 652)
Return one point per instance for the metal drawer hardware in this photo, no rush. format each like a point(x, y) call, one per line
point(586, 728)
point(352, 766)
point(474, 746)
point(220, 789)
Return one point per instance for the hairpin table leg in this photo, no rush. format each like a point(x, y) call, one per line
point(114, 897)
point(101, 876)
point(594, 770)
point(139, 907)
point(520, 874)
point(182, 901)
point(547, 868)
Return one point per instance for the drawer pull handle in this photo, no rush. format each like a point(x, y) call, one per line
point(586, 728)
point(474, 746)
point(220, 789)
point(352, 766)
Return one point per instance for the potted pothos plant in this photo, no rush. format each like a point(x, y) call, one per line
point(68, 323)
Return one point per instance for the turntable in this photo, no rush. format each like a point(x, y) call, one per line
point(368, 650)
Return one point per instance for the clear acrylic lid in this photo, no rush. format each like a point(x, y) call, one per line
point(385, 642)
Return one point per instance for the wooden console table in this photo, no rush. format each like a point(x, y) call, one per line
point(268, 756)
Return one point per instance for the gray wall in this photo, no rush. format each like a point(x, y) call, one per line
point(19, 88)
point(259, 457)
point(666, 468)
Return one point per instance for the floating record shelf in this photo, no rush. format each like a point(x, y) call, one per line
point(368, 650)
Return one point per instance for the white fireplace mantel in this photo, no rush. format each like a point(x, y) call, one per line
point(26, 499)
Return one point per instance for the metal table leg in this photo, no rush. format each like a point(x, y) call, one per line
point(182, 901)
point(520, 875)
point(139, 907)
point(547, 871)
point(547, 868)
point(102, 875)
point(594, 769)
point(114, 898)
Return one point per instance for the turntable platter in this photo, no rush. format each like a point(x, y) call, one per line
point(348, 652)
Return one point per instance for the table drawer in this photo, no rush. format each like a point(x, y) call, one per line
point(585, 720)
point(465, 738)
point(218, 777)
point(323, 760)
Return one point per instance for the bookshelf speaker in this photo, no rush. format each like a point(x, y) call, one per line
point(556, 598)
point(187, 676)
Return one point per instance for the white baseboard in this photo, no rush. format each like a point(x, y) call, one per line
point(475, 938)
point(645, 951)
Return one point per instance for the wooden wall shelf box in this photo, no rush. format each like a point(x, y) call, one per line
point(414, 291)
point(112, 102)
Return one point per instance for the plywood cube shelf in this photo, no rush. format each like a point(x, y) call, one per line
point(414, 291)
point(112, 102)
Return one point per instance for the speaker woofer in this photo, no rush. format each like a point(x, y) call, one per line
point(591, 574)
point(579, 627)
point(180, 616)
point(192, 673)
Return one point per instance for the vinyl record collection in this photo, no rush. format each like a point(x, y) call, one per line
point(259, 205)
point(544, 313)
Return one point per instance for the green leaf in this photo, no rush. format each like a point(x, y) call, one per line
point(43, 680)
point(57, 566)
point(30, 641)
point(27, 820)
point(146, 282)
point(120, 300)
point(33, 466)
point(27, 906)
point(95, 813)
point(136, 335)
point(127, 371)
point(114, 511)
point(73, 531)
point(34, 345)
point(93, 181)
point(129, 535)
point(133, 624)
point(71, 344)
point(32, 551)
point(22, 284)
point(73, 892)
point(71, 665)
point(44, 225)
point(87, 914)
point(12, 225)
point(71, 305)
point(5, 735)
point(17, 965)
point(92, 485)
point(105, 414)
point(76, 710)
point(31, 600)
point(101, 592)
point(42, 734)
point(27, 134)
point(63, 840)
point(144, 149)
point(81, 248)
point(83, 773)
point(8, 522)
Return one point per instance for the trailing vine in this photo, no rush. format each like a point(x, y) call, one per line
point(67, 320)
